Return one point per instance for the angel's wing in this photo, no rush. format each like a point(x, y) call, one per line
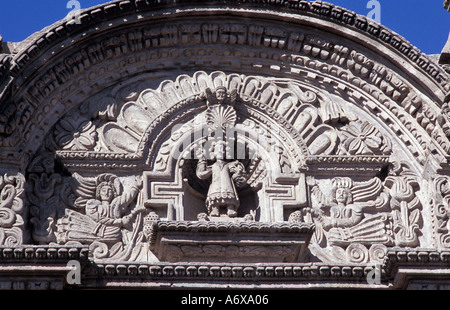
point(233, 97)
point(367, 191)
point(210, 97)
point(84, 188)
point(318, 198)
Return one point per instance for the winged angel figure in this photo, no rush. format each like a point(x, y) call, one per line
point(104, 215)
point(353, 213)
point(221, 96)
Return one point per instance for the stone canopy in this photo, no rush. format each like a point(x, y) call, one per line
point(223, 143)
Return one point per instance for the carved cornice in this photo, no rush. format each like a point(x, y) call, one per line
point(326, 11)
point(398, 270)
point(427, 266)
point(43, 254)
point(235, 227)
point(240, 275)
point(416, 257)
point(230, 227)
point(42, 267)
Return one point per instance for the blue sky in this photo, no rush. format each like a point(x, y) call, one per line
point(424, 23)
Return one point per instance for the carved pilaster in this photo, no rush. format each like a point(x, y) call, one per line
point(12, 190)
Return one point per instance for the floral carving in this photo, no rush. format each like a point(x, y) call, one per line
point(48, 194)
point(405, 205)
point(362, 138)
point(75, 133)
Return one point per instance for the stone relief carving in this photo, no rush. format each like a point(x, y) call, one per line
point(11, 208)
point(346, 223)
point(363, 219)
point(104, 217)
point(225, 177)
point(329, 129)
point(362, 138)
point(405, 205)
point(441, 209)
point(283, 127)
point(75, 133)
point(48, 194)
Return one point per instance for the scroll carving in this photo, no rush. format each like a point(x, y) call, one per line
point(441, 210)
point(11, 208)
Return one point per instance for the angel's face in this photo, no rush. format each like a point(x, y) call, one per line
point(107, 193)
point(342, 195)
point(221, 95)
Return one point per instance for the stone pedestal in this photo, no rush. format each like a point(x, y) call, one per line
point(231, 242)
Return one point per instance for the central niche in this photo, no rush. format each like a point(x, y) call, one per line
point(247, 204)
point(223, 162)
point(233, 157)
point(223, 169)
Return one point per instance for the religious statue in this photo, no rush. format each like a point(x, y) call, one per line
point(226, 176)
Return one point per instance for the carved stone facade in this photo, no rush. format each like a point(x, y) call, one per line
point(286, 143)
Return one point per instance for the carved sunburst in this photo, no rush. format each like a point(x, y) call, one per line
point(221, 117)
